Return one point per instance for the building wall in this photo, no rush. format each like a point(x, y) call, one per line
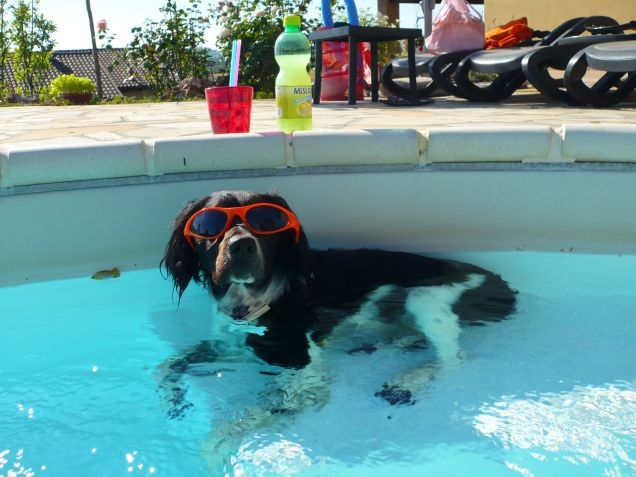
point(547, 14)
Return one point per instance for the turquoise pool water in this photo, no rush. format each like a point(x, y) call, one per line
point(550, 392)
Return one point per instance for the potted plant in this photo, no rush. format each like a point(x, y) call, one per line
point(75, 89)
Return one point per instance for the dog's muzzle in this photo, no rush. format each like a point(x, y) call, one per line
point(240, 260)
point(244, 259)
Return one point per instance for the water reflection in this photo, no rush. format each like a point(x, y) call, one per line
point(588, 423)
point(12, 463)
point(262, 456)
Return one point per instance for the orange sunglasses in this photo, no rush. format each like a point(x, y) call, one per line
point(260, 218)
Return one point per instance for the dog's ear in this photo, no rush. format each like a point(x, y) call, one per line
point(298, 261)
point(182, 264)
point(301, 255)
point(303, 258)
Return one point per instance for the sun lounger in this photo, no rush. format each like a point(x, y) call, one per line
point(439, 70)
point(506, 63)
point(538, 66)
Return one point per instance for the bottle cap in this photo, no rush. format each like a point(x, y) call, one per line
point(291, 20)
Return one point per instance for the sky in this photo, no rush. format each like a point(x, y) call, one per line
point(121, 15)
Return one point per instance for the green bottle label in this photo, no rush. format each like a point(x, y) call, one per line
point(293, 102)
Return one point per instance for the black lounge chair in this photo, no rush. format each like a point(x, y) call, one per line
point(617, 59)
point(440, 69)
point(506, 63)
point(537, 66)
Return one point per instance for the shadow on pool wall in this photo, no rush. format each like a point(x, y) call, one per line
point(460, 207)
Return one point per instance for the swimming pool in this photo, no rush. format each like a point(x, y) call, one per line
point(548, 392)
point(551, 391)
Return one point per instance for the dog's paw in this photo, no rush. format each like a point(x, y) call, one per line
point(365, 348)
point(178, 404)
point(396, 395)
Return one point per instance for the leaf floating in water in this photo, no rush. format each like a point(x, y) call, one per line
point(103, 274)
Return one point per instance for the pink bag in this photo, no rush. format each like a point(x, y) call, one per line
point(457, 26)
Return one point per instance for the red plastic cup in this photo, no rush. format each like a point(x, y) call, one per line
point(230, 108)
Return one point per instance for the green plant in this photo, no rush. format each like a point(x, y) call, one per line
point(5, 41)
point(257, 23)
point(264, 95)
point(70, 84)
point(31, 35)
point(478, 76)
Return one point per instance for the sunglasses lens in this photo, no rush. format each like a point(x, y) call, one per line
point(209, 223)
point(266, 219)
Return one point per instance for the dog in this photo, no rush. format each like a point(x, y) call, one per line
point(249, 250)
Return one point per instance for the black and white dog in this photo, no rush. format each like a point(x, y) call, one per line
point(249, 250)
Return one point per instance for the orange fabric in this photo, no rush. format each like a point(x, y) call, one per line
point(510, 34)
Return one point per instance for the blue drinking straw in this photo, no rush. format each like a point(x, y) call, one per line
point(237, 62)
point(233, 64)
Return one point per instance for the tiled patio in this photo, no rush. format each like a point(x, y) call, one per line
point(45, 126)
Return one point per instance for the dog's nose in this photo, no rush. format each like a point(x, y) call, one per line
point(243, 247)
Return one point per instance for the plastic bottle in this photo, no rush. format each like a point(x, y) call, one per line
point(293, 84)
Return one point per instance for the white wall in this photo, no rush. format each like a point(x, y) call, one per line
point(77, 232)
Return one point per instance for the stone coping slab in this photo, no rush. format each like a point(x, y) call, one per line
point(272, 151)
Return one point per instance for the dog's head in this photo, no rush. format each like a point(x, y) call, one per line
point(248, 249)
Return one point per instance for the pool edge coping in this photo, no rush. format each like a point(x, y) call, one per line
point(274, 153)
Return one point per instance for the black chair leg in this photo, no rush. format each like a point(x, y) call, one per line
point(353, 69)
point(318, 73)
point(501, 88)
point(535, 67)
point(601, 94)
point(412, 82)
point(374, 71)
point(442, 70)
point(425, 86)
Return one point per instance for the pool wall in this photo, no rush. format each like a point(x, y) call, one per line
point(72, 210)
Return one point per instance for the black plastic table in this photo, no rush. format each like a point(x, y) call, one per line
point(373, 35)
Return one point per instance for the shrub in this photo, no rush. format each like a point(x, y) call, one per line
point(170, 50)
point(257, 23)
point(71, 84)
